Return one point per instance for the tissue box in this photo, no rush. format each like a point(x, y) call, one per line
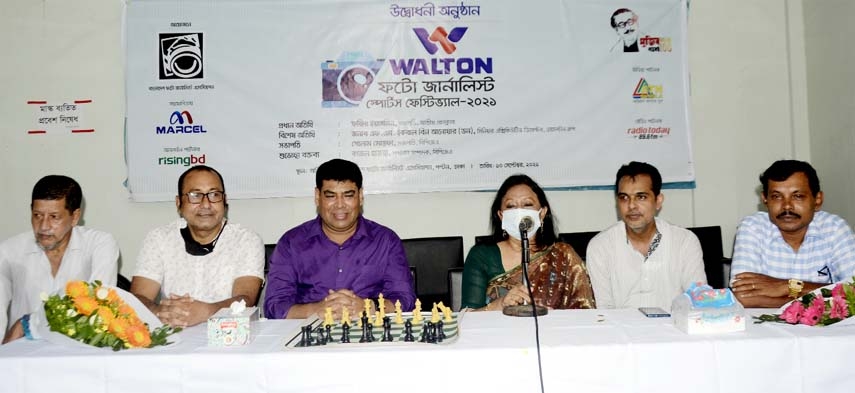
point(703, 310)
point(226, 329)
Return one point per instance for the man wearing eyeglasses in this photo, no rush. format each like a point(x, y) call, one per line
point(199, 263)
point(625, 23)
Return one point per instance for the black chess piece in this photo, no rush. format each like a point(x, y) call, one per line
point(365, 333)
point(408, 331)
point(440, 332)
point(387, 330)
point(321, 339)
point(431, 332)
point(424, 336)
point(345, 333)
point(305, 336)
point(329, 332)
point(371, 338)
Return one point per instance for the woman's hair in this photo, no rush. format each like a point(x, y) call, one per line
point(546, 235)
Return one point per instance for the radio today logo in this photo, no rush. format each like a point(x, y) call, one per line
point(181, 123)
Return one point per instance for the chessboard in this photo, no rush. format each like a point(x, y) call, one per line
point(313, 333)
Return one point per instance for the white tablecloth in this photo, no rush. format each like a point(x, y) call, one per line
point(582, 351)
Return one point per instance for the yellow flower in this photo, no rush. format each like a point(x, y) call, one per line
point(85, 305)
point(70, 332)
point(138, 336)
point(119, 327)
point(106, 315)
point(76, 289)
point(113, 297)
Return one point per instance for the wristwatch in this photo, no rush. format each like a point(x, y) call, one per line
point(796, 287)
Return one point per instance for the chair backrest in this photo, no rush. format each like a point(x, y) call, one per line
point(268, 252)
point(578, 240)
point(486, 239)
point(123, 283)
point(711, 245)
point(455, 283)
point(431, 257)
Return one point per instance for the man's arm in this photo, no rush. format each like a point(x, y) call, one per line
point(105, 259)
point(397, 280)
point(190, 312)
point(756, 290)
point(842, 264)
point(746, 249)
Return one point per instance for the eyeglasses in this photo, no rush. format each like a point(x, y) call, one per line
point(213, 196)
point(622, 25)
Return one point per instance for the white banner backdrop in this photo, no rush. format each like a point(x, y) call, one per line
point(424, 96)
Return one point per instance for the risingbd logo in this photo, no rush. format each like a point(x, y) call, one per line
point(646, 91)
point(440, 38)
point(181, 122)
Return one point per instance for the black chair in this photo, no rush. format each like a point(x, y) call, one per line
point(123, 283)
point(268, 252)
point(714, 261)
point(486, 239)
point(431, 257)
point(578, 240)
point(455, 285)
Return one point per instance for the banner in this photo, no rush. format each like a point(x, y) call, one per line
point(423, 95)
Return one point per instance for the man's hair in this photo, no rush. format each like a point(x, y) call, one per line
point(547, 235)
point(338, 170)
point(635, 168)
point(196, 169)
point(620, 11)
point(782, 170)
point(56, 187)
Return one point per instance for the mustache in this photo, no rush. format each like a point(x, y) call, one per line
point(788, 213)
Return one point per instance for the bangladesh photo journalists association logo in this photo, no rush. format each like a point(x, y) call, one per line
point(181, 123)
point(346, 80)
point(181, 56)
point(440, 38)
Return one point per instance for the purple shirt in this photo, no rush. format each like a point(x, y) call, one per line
point(307, 264)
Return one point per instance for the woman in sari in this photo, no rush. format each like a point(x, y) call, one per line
point(492, 274)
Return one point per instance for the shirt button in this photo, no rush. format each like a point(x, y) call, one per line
point(340, 248)
point(339, 270)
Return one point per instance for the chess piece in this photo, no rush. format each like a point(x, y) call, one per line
point(399, 319)
point(367, 307)
point(447, 313)
point(408, 331)
point(440, 332)
point(424, 336)
point(371, 333)
point(387, 330)
point(345, 333)
point(363, 322)
point(417, 312)
point(431, 333)
point(328, 318)
point(305, 336)
point(321, 339)
point(434, 314)
point(329, 333)
point(345, 316)
point(381, 305)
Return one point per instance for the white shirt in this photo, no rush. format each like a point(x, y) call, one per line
point(621, 278)
point(25, 270)
point(209, 278)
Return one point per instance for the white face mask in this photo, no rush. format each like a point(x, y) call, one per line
point(511, 221)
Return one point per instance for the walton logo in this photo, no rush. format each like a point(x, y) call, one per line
point(441, 65)
point(177, 125)
point(444, 39)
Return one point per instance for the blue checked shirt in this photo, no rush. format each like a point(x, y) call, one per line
point(827, 254)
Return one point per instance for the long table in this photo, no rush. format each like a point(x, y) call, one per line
point(582, 351)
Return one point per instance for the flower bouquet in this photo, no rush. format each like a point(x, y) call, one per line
point(99, 316)
point(824, 306)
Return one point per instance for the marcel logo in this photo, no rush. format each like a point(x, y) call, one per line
point(440, 36)
point(181, 123)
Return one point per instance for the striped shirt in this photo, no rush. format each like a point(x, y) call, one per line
point(826, 255)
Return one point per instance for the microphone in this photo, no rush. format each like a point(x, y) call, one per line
point(525, 224)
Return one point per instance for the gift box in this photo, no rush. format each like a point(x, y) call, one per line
point(227, 328)
point(704, 310)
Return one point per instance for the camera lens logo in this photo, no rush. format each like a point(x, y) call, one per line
point(346, 81)
point(445, 39)
point(181, 56)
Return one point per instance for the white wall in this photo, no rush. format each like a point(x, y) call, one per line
point(743, 114)
point(831, 97)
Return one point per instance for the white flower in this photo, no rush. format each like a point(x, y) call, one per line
point(92, 319)
point(71, 313)
point(43, 296)
point(101, 294)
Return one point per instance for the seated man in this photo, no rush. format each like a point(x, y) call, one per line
point(642, 261)
point(55, 252)
point(793, 248)
point(339, 258)
point(199, 263)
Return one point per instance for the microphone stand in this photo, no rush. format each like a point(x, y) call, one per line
point(525, 310)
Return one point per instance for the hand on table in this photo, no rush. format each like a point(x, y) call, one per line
point(341, 299)
point(183, 311)
point(516, 295)
point(755, 284)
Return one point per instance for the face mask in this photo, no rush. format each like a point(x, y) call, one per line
point(511, 221)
